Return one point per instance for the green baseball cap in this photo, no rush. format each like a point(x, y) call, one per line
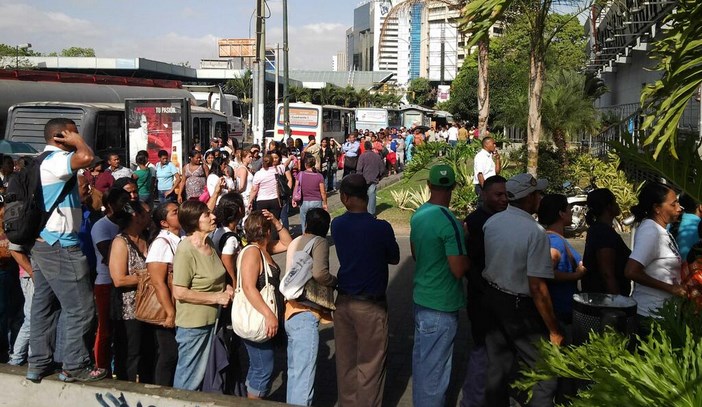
point(442, 175)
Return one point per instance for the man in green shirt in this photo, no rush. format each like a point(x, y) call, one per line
point(438, 246)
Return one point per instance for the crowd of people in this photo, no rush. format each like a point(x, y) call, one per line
point(205, 236)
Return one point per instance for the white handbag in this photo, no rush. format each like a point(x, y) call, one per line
point(247, 322)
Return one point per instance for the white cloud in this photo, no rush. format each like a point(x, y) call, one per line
point(313, 45)
point(170, 47)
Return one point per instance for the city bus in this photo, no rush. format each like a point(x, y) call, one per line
point(107, 128)
point(376, 118)
point(321, 121)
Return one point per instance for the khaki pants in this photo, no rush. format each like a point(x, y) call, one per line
point(361, 335)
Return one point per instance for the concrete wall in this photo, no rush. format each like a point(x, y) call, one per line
point(15, 390)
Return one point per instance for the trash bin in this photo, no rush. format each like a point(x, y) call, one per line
point(595, 311)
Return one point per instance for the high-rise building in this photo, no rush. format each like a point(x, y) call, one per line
point(420, 41)
point(339, 63)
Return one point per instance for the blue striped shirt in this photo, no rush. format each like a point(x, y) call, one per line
point(64, 222)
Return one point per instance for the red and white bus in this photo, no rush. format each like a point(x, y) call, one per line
point(320, 121)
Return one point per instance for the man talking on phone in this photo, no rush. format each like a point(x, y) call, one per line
point(485, 164)
point(61, 273)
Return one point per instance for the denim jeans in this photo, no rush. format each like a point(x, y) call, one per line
point(162, 198)
point(20, 352)
point(258, 379)
point(371, 198)
point(193, 351)
point(61, 287)
point(303, 342)
point(434, 332)
point(284, 218)
point(306, 206)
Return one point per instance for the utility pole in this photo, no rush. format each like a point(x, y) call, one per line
point(260, 93)
point(286, 96)
point(277, 74)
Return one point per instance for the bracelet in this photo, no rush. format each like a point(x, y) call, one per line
point(281, 228)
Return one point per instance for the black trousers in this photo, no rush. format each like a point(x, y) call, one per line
point(513, 329)
point(273, 206)
point(167, 356)
point(128, 337)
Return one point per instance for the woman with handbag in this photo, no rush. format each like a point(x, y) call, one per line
point(327, 154)
point(303, 314)
point(127, 262)
point(257, 271)
point(159, 265)
point(264, 190)
point(310, 186)
point(554, 214)
point(199, 289)
point(194, 177)
point(285, 184)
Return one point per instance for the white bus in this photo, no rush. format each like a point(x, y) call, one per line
point(320, 121)
point(213, 97)
point(375, 118)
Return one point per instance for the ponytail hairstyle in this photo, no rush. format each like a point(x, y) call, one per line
point(230, 208)
point(158, 215)
point(597, 203)
point(651, 194)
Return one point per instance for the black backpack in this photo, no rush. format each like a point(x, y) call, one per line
point(25, 213)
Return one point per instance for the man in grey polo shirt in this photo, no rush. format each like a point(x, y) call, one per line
point(517, 302)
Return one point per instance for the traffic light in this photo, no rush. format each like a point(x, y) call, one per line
point(385, 88)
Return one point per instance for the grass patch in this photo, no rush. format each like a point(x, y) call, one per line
point(385, 205)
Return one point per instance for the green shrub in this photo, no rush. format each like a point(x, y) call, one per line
point(664, 368)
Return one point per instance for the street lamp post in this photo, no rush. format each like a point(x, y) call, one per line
point(17, 50)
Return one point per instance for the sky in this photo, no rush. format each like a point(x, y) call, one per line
point(175, 31)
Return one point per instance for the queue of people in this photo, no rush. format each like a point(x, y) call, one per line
point(205, 238)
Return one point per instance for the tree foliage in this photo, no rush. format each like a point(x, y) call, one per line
point(420, 92)
point(77, 52)
point(679, 54)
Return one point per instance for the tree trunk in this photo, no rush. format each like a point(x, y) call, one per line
point(560, 141)
point(483, 86)
point(534, 127)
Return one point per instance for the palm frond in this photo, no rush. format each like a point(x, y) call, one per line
point(685, 171)
point(679, 55)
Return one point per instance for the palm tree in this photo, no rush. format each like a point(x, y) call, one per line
point(481, 15)
point(680, 59)
point(567, 109)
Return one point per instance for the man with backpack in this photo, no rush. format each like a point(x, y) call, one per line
point(61, 272)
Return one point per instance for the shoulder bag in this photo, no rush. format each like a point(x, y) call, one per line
point(281, 180)
point(297, 193)
point(247, 322)
point(148, 308)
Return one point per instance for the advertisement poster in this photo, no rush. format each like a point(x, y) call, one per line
point(443, 93)
point(299, 116)
point(155, 125)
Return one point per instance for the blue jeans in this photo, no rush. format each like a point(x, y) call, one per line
point(162, 198)
point(306, 206)
point(371, 198)
point(61, 287)
point(258, 379)
point(453, 143)
point(303, 343)
point(284, 215)
point(434, 332)
point(20, 351)
point(193, 351)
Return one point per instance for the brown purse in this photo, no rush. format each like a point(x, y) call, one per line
point(148, 308)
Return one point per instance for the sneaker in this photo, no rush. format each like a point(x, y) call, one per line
point(36, 376)
point(86, 374)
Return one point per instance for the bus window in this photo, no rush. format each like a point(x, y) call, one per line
point(196, 130)
point(221, 130)
point(236, 109)
point(109, 134)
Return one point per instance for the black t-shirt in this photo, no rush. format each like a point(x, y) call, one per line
point(602, 236)
point(475, 239)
